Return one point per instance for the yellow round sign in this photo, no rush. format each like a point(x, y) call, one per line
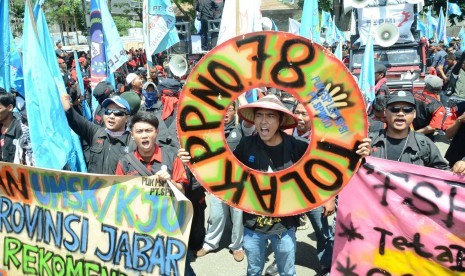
point(287, 62)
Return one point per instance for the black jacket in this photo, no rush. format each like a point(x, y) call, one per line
point(11, 137)
point(253, 146)
point(105, 151)
point(420, 150)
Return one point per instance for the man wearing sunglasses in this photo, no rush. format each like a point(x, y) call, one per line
point(397, 142)
point(107, 144)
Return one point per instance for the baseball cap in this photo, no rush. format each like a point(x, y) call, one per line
point(380, 68)
point(130, 77)
point(400, 97)
point(118, 101)
point(433, 83)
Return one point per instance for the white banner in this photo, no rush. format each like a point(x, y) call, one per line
point(249, 19)
point(401, 16)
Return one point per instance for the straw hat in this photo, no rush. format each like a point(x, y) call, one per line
point(272, 102)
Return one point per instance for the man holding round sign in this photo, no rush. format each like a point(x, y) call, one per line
point(272, 176)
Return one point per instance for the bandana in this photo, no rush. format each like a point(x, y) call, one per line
point(150, 98)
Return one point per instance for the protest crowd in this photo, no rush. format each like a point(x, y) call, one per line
point(128, 126)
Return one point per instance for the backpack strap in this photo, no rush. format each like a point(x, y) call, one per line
point(131, 159)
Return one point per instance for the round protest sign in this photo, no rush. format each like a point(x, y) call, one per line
point(298, 66)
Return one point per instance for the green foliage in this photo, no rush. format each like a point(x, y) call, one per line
point(122, 24)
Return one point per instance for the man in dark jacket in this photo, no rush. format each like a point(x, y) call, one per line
point(107, 144)
point(11, 127)
point(207, 10)
point(398, 143)
point(272, 150)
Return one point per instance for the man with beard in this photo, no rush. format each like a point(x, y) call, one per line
point(107, 144)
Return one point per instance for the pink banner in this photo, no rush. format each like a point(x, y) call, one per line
point(400, 219)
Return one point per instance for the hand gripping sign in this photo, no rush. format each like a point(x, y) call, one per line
point(287, 62)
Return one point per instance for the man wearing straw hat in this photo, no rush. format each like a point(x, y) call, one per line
point(270, 150)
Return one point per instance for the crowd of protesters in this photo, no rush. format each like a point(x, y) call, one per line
point(133, 132)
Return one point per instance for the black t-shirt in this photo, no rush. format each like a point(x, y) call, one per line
point(275, 153)
point(394, 148)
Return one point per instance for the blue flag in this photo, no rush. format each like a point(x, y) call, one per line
point(11, 75)
point(453, 8)
point(310, 23)
point(441, 31)
point(422, 28)
point(158, 26)
point(49, 130)
point(5, 33)
point(251, 95)
point(86, 112)
point(326, 19)
point(367, 73)
point(462, 39)
point(432, 23)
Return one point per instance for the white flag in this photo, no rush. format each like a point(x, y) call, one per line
point(249, 19)
point(294, 26)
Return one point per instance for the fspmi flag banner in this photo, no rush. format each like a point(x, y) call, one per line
point(61, 223)
point(400, 219)
point(402, 16)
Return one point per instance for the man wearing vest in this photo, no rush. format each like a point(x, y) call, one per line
point(430, 113)
point(457, 81)
point(168, 89)
point(107, 144)
point(398, 143)
point(11, 127)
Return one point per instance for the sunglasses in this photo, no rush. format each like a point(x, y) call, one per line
point(116, 112)
point(405, 109)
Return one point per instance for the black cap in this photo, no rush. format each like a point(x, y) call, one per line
point(103, 90)
point(401, 97)
point(380, 68)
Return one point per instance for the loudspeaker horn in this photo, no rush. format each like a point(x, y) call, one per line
point(387, 35)
point(178, 65)
point(360, 4)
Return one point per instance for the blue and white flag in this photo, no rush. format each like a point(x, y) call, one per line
point(453, 8)
point(326, 19)
point(310, 23)
point(367, 73)
point(49, 130)
point(441, 31)
point(158, 26)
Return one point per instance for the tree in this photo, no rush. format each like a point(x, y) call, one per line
point(122, 24)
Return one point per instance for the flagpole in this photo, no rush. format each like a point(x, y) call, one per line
point(237, 18)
